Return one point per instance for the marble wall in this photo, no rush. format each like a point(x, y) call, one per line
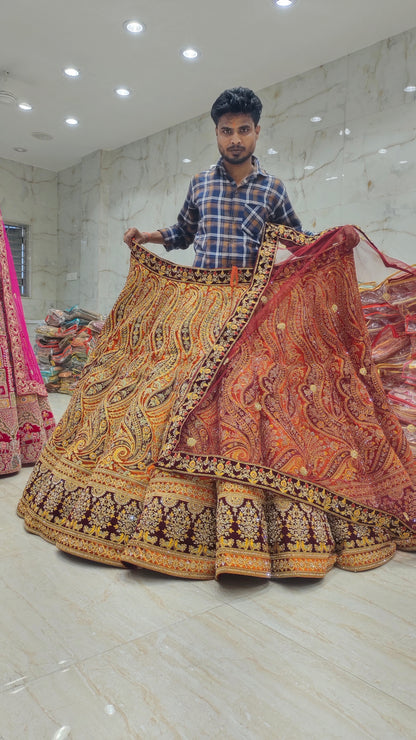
point(356, 165)
point(28, 195)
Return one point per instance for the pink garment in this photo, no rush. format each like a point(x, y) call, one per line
point(26, 420)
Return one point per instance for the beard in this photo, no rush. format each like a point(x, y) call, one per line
point(237, 158)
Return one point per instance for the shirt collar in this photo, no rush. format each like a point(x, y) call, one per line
point(258, 170)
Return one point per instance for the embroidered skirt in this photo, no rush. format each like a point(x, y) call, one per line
point(230, 427)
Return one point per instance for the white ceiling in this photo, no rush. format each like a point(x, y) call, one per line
point(242, 42)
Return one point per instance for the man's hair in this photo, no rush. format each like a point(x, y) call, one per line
point(237, 100)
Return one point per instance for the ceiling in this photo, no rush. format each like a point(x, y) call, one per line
point(242, 42)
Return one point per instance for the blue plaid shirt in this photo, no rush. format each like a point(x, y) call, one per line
point(225, 220)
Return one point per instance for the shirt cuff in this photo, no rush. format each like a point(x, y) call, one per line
point(168, 236)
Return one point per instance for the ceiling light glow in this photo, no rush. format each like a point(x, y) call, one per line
point(284, 3)
point(382, 151)
point(123, 92)
point(309, 167)
point(272, 151)
point(25, 106)
point(71, 121)
point(316, 119)
point(410, 88)
point(187, 160)
point(133, 27)
point(71, 72)
point(19, 149)
point(190, 54)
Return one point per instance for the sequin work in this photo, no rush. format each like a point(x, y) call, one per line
point(213, 432)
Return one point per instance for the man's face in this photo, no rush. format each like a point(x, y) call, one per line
point(236, 137)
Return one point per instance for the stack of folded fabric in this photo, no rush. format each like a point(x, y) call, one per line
point(390, 312)
point(63, 342)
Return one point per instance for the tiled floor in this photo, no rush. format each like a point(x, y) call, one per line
point(90, 652)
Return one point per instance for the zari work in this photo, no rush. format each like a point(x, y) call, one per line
point(26, 420)
point(231, 425)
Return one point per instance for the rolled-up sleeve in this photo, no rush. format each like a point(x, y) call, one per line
point(181, 234)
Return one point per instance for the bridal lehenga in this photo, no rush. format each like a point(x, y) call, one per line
point(26, 420)
point(231, 422)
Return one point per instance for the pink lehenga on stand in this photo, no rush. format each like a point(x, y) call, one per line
point(26, 419)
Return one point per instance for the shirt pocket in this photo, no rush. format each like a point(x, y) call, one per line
point(254, 218)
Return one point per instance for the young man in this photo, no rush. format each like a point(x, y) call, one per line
point(227, 206)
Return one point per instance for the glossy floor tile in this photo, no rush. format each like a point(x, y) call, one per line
point(90, 652)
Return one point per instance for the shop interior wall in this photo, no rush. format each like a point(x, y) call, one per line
point(356, 165)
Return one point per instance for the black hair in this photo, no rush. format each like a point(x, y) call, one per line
point(237, 100)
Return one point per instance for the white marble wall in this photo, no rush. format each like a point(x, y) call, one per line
point(69, 229)
point(28, 195)
point(144, 183)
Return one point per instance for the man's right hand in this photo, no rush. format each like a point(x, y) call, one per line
point(138, 236)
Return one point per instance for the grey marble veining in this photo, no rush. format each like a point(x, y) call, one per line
point(363, 108)
point(28, 195)
point(90, 651)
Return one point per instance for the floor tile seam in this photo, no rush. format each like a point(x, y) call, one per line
point(77, 663)
point(162, 628)
point(332, 663)
point(233, 600)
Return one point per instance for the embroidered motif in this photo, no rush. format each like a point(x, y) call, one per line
point(273, 415)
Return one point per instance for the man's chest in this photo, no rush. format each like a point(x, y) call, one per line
point(222, 198)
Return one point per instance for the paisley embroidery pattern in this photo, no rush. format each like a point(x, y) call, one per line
point(230, 427)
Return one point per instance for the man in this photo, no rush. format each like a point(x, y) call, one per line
point(227, 206)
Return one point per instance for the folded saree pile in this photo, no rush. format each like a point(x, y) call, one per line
point(63, 343)
point(26, 420)
point(390, 311)
point(231, 423)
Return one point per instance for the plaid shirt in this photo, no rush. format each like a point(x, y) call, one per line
point(225, 220)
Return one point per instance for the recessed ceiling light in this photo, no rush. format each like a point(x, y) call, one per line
point(284, 3)
point(382, 151)
point(25, 106)
point(309, 167)
point(334, 177)
point(133, 26)
point(272, 151)
point(316, 119)
point(123, 92)
point(190, 54)
point(410, 88)
point(19, 149)
point(71, 121)
point(186, 160)
point(71, 72)
point(404, 161)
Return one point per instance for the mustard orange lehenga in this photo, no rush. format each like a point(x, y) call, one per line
point(231, 426)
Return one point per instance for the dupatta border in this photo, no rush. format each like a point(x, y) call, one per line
point(296, 488)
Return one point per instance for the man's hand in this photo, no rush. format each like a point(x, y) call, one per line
point(350, 235)
point(139, 236)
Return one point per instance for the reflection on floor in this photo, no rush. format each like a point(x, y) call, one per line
point(91, 652)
